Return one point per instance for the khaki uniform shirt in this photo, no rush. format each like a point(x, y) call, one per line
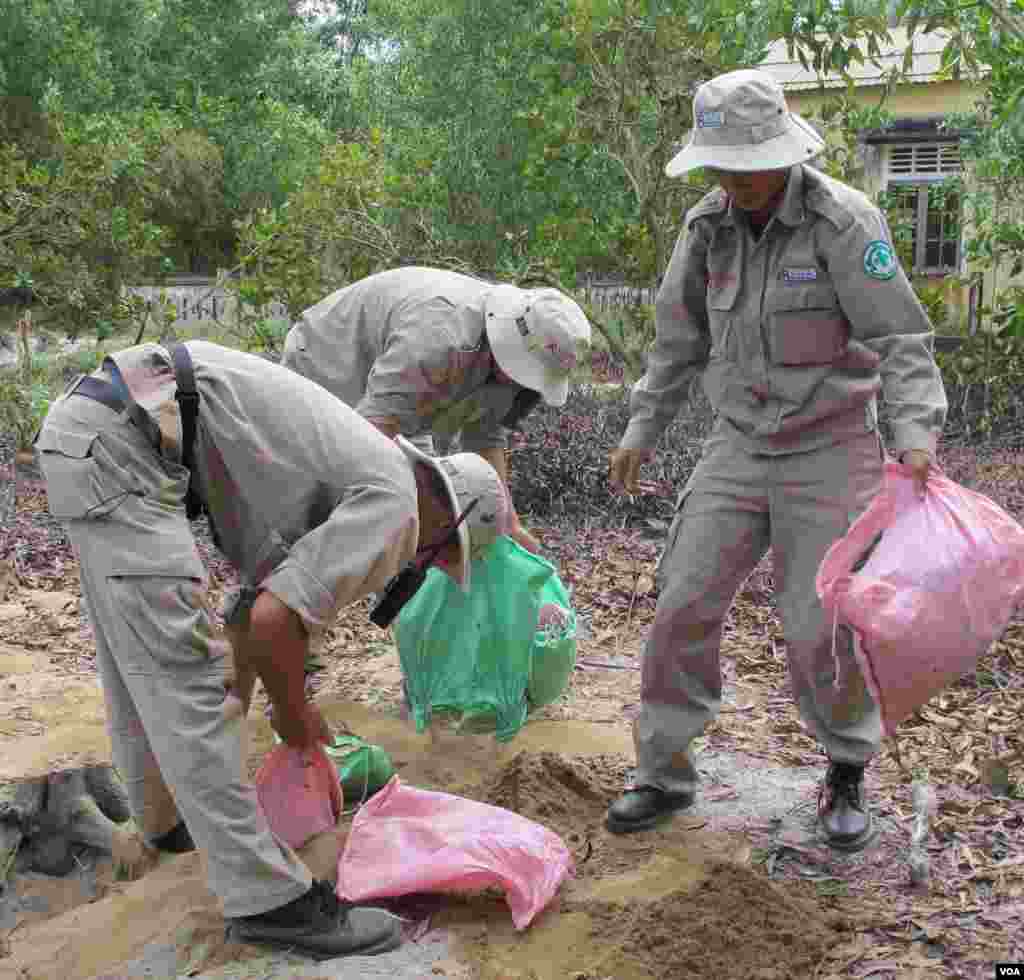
point(796, 332)
point(308, 499)
point(408, 344)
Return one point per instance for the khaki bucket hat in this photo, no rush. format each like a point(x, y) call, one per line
point(742, 124)
point(537, 336)
point(468, 477)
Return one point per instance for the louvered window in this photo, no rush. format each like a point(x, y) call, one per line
point(924, 205)
point(916, 161)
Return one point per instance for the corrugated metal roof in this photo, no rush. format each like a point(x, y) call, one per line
point(924, 67)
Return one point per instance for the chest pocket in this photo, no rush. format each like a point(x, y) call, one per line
point(805, 325)
point(723, 290)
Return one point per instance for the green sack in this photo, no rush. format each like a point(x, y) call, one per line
point(482, 654)
point(363, 768)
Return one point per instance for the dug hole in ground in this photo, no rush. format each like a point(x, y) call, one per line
point(740, 885)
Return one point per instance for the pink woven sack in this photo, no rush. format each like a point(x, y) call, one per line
point(299, 792)
point(937, 590)
point(406, 840)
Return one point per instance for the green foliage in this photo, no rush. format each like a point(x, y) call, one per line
point(331, 231)
point(74, 226)
point(985, 375)
point(518, 140)
point(634, 68)
point(1008, 315)
point(268, 147)
point(933, 299)
point(23, 405)
point(626, 334)
point(841, 120)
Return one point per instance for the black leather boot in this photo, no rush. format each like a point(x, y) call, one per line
point(320, 926)
point(644, 807)
point(842, 811)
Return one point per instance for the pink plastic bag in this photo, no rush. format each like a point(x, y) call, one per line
point(299, 792)
point(406, 840)
point(939, 588)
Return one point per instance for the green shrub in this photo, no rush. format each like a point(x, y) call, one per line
point(559, 464)
point(984, 386)
point(933, 299)
point(23, 407)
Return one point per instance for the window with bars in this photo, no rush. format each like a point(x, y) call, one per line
point(923, 203)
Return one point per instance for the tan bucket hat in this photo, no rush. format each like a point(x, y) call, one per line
point(742, 124)
point(469, 477)
point(537, 336)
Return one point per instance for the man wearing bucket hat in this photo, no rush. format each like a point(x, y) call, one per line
point(427, 352)
point(315, 508)
point(785, 293)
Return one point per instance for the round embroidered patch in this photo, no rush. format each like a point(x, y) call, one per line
point(880, 260)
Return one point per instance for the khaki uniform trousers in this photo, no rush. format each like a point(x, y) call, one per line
point(735, 505)
point(177, 747)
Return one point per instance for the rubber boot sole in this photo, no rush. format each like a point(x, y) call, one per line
point(853, 844)
point(384, 946)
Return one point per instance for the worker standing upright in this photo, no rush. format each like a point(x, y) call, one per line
point(785, 293)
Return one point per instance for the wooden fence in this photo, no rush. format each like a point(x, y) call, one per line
point(609, 295)
point(199, 298)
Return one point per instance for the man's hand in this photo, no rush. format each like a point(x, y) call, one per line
point(920, 463)
point(624, 467)
point(302, 729)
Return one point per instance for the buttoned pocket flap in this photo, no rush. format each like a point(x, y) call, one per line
point(77, 445)
point(816, 296)
point(74, 488)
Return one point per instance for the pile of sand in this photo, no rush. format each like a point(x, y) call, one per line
point(640, 907)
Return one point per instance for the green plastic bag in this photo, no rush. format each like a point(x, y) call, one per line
point(484, 654)
point(363, 768)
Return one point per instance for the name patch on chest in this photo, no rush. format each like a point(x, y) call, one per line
point(800, 274)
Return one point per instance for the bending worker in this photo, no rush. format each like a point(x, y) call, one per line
point(426, 352)
point(785, 292)
point(315, 508)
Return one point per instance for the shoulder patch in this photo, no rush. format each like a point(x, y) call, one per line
point(880, 260)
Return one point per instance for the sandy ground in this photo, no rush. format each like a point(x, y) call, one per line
point(618, 916)
point(739, 885)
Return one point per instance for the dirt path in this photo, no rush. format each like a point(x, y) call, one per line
point(740, 885)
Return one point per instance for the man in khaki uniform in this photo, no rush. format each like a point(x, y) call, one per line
point(426, 352)
point(785, 293)
point(315, 508)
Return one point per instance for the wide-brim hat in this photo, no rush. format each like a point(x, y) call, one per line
point(537, 336)
point(468, 477)
point(742, 124)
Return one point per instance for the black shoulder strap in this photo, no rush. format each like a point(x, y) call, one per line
point(188, 405)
